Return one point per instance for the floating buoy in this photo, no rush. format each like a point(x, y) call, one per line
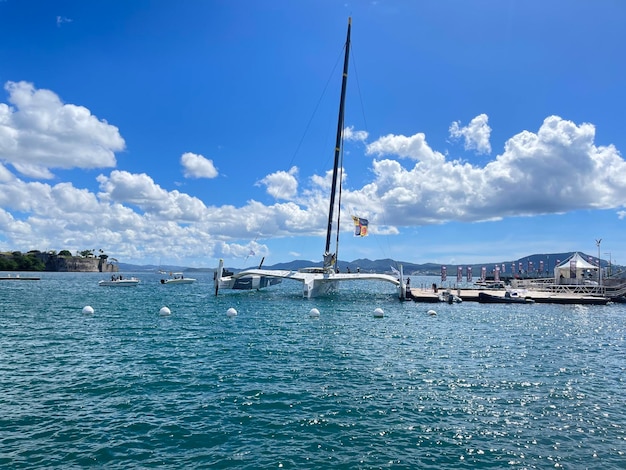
point(432, 313)
point(314, 313)
point(378, 313)
point(231, 312)
point(164, 312)
point(87, 310)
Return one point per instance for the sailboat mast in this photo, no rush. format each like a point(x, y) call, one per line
point(338, 144)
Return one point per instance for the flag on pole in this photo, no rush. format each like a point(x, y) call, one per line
point(459, 274)
point(469, 274)
point(444, 273)
point(496, 274)
point(360, 226)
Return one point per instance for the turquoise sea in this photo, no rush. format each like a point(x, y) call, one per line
point(476, 386)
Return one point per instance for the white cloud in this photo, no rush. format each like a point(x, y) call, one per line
point(5, 175)
point(63, 19)
point(282, 184)
point(413, 147)
point(476, 134)
point(141, 191)
point(350, 134)
point(39, 133)
point(197, 166)
point(556, 169)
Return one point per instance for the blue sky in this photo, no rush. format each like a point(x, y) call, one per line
point(184, 132)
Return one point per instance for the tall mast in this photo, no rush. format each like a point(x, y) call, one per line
point(327, 259)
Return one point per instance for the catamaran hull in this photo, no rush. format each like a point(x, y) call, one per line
point(315, 283)
point(248, 282)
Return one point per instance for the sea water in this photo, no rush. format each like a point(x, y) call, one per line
point(474, 386)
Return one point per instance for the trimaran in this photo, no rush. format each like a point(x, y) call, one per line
point(316, 281)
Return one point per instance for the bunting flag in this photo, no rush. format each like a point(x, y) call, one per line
point(360, 226)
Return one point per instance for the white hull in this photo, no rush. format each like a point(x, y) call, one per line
point(179, 281)
point(314, 284)
point(120, 282)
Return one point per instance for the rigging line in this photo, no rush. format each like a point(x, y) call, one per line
point(353, 63)
point(358, 87)
point(329, 80)
point(339, 202)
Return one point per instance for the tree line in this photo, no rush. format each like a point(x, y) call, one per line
point(32, 261)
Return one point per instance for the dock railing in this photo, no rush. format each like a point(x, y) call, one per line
point(611, 287)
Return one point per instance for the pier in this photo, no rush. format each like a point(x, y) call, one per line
point(545, 297)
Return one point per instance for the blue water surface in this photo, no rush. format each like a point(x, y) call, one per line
point(475, 386)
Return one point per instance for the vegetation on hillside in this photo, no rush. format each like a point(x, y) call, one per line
point(33, 260)
point(16, 261)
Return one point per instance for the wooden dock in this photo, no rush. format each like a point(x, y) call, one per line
point(471, 295)
point(18, 278)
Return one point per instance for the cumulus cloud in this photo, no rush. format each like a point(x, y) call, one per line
point(476, 134)
point(282, 184)
point(557, 169)
point(141, 191)
point(197, 166)
point(350, 134)
point(38, 132)
point(413, 147)
point(553, 169)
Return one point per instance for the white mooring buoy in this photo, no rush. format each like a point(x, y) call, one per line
point(87, 310)
point(164, 312)
point(314, 313)
point(432, 313)
point(379, 313)
point(231, 312)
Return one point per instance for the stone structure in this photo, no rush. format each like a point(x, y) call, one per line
point(76, 264)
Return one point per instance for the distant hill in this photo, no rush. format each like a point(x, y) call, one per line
point(536, 264)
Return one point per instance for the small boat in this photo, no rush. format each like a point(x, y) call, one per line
point(178, 278)
point(17, 277)
point(507, 298)
point(120, 281)
point(449, 297)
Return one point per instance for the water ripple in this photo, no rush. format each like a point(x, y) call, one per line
point(474, 387)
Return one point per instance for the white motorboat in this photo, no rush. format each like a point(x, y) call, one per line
point(178, 278)
point(120, 281)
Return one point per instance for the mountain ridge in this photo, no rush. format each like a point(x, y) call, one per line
point(539, 263)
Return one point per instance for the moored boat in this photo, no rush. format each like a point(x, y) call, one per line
point(178, 278)
point(507, 298)
point(317, 280)
point(119, 281)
